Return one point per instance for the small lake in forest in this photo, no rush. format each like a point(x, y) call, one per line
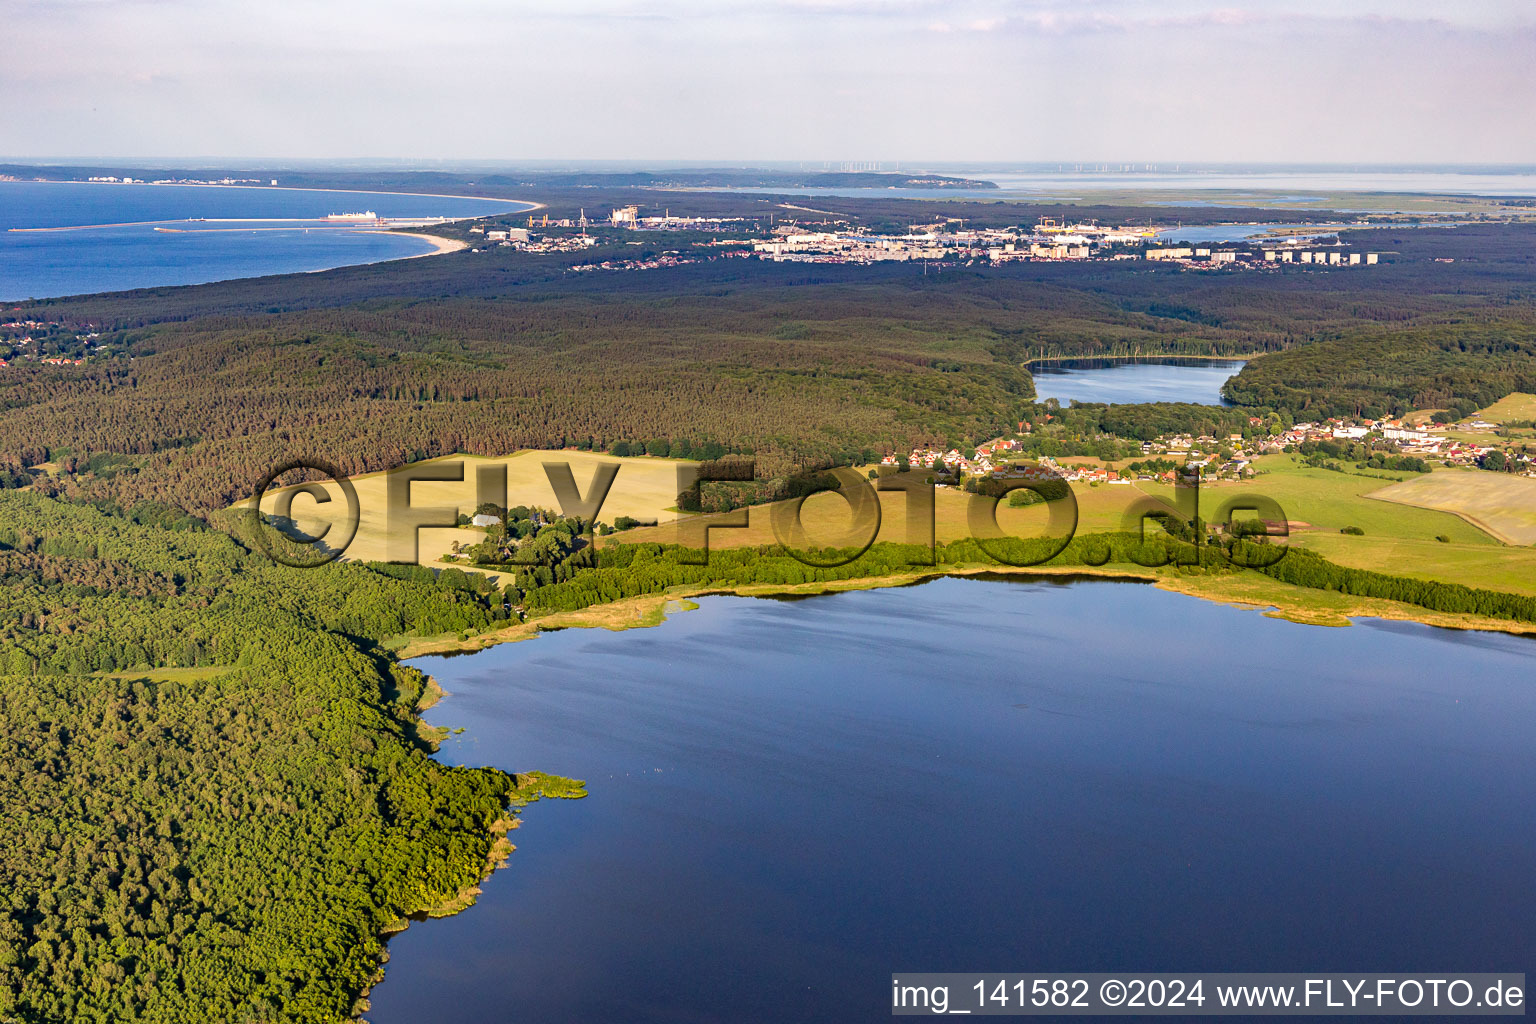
point(1117, 381)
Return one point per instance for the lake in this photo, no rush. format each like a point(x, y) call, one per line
point(1114, 381)
point(1246, 232)
point(113, 242)
point(790, 800)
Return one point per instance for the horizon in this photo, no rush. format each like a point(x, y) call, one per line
point(831, 165)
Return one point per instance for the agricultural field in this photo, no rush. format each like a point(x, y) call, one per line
point(1316, 501)
point(1324, 501)
point(1501, 504)
point(1515, 408)
point(826, 521)
point(645, 489)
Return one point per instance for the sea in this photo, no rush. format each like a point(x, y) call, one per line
point(792, 800)
point(1293, 183)
point(109, 237)
point(1170, 186)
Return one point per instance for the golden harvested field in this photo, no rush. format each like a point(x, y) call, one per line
point(1517, 407)
point(827, 521)
point(1499, 503)
point(645, 488)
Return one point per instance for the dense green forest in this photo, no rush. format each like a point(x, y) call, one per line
point(1458, 364)
point(215, 799)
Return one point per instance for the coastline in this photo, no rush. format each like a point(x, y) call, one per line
point(527, 788)
point(440, 246)
point(496, 858)
point(1327, 608)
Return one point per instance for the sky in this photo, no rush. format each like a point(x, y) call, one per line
point(914, 81)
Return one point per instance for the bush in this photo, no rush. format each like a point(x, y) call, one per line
point(1353, 531)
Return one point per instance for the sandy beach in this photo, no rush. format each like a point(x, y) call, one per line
point(441, 244)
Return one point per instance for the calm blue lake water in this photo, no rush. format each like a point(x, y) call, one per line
point(1133, 380)
point(236, 238)
point(1240, 232)
point(791, 800)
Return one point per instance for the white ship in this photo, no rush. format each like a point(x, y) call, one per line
point(365, 215)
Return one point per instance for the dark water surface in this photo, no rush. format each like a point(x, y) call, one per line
point(791, 800)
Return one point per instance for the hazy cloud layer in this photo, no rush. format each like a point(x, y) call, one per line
point(1114, 80)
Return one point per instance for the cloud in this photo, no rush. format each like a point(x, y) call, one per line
point(1076, 20)
point(784, 79)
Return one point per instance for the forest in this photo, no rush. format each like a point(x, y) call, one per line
point(201, 389)
point(217, 798)
point(1458, 365)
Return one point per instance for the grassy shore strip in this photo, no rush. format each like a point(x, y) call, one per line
point(1246, 589)
point(432, 692)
